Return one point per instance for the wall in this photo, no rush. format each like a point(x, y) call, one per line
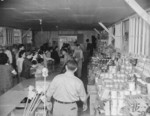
point(10, 36)
point(2, 36)
point(138, 41)
point(48, 36)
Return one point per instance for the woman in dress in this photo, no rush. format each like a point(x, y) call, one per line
point(26, 66)
point(6, 74)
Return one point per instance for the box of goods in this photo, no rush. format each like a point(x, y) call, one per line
point(98, 81)
point(148, 89)
point(91, 89)
point(106, 75)
point(114, 107)
point(112, 69)
point(41, 112)
point(142, 86)
point(137, 105)
point(129, 68)
point(99, 89)
point(91, 80)
point(40, 84)
point(120, 81)
point(93, 100)
point(108, 83)
point(105, 94)
point(131, 86)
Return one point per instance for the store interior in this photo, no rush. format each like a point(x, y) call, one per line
point(116, 67)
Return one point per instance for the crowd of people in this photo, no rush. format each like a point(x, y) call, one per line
point(66, 88)
point(20, 63)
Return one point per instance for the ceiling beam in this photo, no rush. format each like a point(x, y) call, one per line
point(139, 10)
point(26, 33)
point(102, 25)
point(96, 31)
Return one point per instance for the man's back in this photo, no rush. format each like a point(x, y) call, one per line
point(67, 88)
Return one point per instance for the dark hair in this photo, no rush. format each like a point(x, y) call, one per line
point(77, 45)
point(34, 62)
point(50, 48)
point(71, 65)
point(40, 60)
point(64, 50)
point(40, 52)
point(55, 48)
point(20, 46)
point(87, 40)
point(21, 53)
point(3, 58)
point(28, 53)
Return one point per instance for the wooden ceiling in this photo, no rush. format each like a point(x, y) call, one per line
point(64, 14)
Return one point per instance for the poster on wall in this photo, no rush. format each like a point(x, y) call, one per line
point(1, 36)
point(17, 36)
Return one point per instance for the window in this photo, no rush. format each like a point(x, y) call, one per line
point(139, 35)
point(9, 36)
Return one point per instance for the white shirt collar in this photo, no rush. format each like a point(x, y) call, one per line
point(69, 73)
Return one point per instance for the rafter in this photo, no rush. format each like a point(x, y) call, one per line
point(139, 10)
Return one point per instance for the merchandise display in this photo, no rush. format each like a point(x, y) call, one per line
point(120, 92)
point(37, 95)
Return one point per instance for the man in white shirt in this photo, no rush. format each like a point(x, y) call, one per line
point(66, 89)
point(20, 63)
point(78, 56)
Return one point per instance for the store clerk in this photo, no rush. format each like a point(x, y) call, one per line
point(66, 89)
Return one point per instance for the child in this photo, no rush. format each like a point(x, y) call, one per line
point(20, 63)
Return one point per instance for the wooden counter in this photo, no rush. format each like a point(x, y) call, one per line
point(13, 97)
